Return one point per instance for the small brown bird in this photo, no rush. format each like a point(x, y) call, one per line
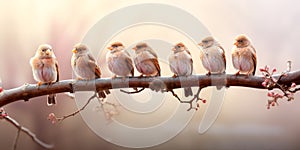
point(181, 64)
point(45, 68)
point(212, 56)
point(146, 61)
point(84, 65)
point(119, 61)
point(244, 55)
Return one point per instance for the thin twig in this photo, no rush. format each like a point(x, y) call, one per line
point(190, 102)
point(28, 132)
point(173, 93)
point(16, 139)
point(134, 92)
point(60, 119)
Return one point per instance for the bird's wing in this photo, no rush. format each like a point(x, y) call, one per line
point(223, 55)
point(156, 64)
point(92, 64)
point(254, 59)
point(130, 65)
point(57, 70)
point(191, 60)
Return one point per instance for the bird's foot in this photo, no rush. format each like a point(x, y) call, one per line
point(209, 73)
point(174, 76)
point(141, 76)
point(39, 83)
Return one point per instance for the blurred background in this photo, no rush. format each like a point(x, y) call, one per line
point(244, 122)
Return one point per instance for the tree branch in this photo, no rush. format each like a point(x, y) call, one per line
point(28, 91)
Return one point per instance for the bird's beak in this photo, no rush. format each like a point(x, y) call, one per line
point(74, 51)
point(110, 48)
point(236, 43)
point(200, 44)
point(48, 52)
point(134, 48)
point(173, 49)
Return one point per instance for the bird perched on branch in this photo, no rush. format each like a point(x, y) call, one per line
point(181, 64)
point(212, 56)
point(45, 68)
point(85, 67)
point(119, 61)
point(244, 55)
point(146, 61)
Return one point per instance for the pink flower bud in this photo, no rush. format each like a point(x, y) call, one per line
point(264, 84)
point(274, 70)
point(293, 85)
point(1, 89)
point(262, 69)
point(52, 118)
point(270, 93)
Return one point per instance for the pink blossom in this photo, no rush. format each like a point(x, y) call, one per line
point(293, 85)
point(52, 118)
point(262, 69)
point(1, 89)
point(271, 93)
point(274, 70)
point(264, 84)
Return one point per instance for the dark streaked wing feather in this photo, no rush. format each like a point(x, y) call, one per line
point(223, 55)
point(191, 60)
point(97, 71)
point(254, 62)
point(57, 76)
point(130, 65)
point(155, 62)
point(93, 64)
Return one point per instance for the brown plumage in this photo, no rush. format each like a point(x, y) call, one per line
point(146, 61)
point(45, 68)
point(244, 55)
point(181, 64)
point(85, 67)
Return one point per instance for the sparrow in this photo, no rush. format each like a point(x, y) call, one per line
point(146, 61)
point(181, 64)
point(119, 61)
point(45, 68)
point(244, 55)
point(212, 56)
point(85, 67)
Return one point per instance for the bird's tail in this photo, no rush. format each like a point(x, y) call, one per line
point(51, 99)
point(188, 91)
point(219, 87)
point(102, 94)
point(107, 92)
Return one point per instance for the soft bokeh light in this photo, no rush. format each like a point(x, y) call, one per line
point(244, 122)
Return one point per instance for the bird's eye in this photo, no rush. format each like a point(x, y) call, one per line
point(43, 50)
